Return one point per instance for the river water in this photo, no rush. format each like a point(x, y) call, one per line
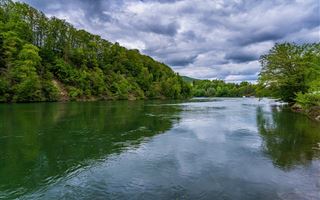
point(220, 148)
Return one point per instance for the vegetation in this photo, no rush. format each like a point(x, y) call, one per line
point(188, 79)
point(219, 88)
point(44, 59)
point(291, 72)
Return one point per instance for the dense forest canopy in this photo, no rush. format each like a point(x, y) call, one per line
point(47, 59)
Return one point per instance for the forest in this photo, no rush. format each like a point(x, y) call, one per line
point(47, 59)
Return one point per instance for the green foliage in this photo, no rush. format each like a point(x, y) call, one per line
point(4, 88)
point(36, 51)
point(218, 88)
point(11, 44)
point(312, 97)
point(308, 100)
point(74, 93)
point(289, 69)
point(25, 80)
point(50, 91)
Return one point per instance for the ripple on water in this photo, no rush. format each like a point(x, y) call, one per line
point(209, 149)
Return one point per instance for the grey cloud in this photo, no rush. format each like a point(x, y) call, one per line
point(161, 1)
point(256, 37)
point(241, 57)
point(169, 29)
point(181, 61)
point(199, 38)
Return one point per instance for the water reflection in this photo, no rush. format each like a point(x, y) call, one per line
point(42, 142)
point(289, 139)
point(106, 150)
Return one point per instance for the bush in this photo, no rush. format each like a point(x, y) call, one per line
point(50, 91)
point(309, 99)
point(27, 90)
point(74, 93)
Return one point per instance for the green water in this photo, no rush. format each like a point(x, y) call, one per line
point(200, 149)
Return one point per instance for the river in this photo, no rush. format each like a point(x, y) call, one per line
point(219, 148)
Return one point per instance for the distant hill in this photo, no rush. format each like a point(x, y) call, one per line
point(188, 79)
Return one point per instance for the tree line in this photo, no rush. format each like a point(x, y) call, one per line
point(47, 59)
point(219, 88)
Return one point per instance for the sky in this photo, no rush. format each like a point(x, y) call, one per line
point(205, 39)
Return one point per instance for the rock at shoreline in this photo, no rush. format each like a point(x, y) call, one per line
point(314, 113)
point(297, 108)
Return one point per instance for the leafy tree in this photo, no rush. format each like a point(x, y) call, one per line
point(11, 45)
point(284, 70)
point(291, 72)
point(25, 80)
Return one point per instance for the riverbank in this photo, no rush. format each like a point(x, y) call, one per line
point(313, 112)
point(96, 99)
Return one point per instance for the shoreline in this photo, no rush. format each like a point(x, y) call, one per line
point(313, 113)
point(93, 99)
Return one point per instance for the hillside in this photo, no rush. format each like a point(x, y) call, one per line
point(47, 59)
point(189, 79)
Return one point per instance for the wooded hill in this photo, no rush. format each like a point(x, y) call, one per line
point(47, 59)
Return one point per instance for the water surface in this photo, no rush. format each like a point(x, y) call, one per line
point(200, 149)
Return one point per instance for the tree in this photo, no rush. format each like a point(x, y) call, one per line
point(11, 45)
point(26, 82)
point(283, 70)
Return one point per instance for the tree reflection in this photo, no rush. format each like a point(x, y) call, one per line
point(290, 139)
point(41, 142)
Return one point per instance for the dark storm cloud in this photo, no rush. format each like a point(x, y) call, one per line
point(161, 1)
point(256, 37)
point(181, 61)
point(241, 57)
point(200, 38)
point(149, 25)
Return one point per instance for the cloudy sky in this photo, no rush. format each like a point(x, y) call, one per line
point(207, 39)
